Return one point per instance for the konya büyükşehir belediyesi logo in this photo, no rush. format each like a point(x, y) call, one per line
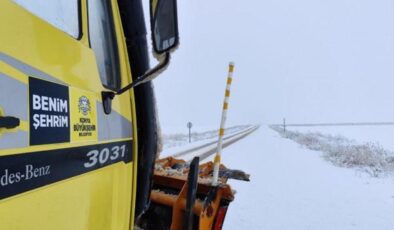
point(84, 105)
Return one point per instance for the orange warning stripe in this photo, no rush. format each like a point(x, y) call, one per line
point(221, 131)
point(231, 68)
point(217, 159)
point(225, 106)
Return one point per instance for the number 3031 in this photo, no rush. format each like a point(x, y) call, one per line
point(96, 156)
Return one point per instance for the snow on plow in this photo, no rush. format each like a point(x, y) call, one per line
point(183, 196)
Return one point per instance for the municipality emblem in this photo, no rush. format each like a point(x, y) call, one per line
point(84, 105)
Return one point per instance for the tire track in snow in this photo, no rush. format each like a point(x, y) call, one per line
point(187, 151)
point(206, 150)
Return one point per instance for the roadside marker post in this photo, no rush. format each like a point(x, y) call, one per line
point(189, 126)
point(217, 159)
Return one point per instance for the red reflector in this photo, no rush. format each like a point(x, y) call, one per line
point(220, 218)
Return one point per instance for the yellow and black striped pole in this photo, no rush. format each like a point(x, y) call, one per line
point(222, 125)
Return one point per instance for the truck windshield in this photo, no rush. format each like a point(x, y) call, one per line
point(62, 14)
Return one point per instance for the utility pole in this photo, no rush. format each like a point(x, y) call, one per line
point(284, 125)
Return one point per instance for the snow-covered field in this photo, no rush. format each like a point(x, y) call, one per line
point(369, 156)
point(384, 134)
point(295, 188)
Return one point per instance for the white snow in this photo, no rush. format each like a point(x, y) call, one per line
point(212, 146)
point(381, 134)
point(295, 188)
point(369, 157)
point(176, 141)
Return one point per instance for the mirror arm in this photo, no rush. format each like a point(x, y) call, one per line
point(107, 96)
point(144, 78)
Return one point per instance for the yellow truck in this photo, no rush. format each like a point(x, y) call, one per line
point(78, 126)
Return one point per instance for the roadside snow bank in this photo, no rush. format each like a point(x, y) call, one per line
point(369, 157)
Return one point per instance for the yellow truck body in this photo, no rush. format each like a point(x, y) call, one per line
point(86, 180)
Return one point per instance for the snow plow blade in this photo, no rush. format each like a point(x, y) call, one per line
point(182, 196)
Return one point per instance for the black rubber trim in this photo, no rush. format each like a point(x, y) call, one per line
point(133, 21)
point(80, 21)
point(192, 180)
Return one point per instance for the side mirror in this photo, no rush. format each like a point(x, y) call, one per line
point(164, 25)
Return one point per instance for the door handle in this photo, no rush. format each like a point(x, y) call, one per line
point(9, 122)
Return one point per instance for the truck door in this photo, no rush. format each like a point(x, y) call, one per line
point(64, 163)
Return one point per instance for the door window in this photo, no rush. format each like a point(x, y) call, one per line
point(103, 42)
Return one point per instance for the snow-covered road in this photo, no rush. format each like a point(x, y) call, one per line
point(206, 146)
point(294, 188)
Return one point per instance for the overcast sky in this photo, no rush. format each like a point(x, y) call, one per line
point(306, 60)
